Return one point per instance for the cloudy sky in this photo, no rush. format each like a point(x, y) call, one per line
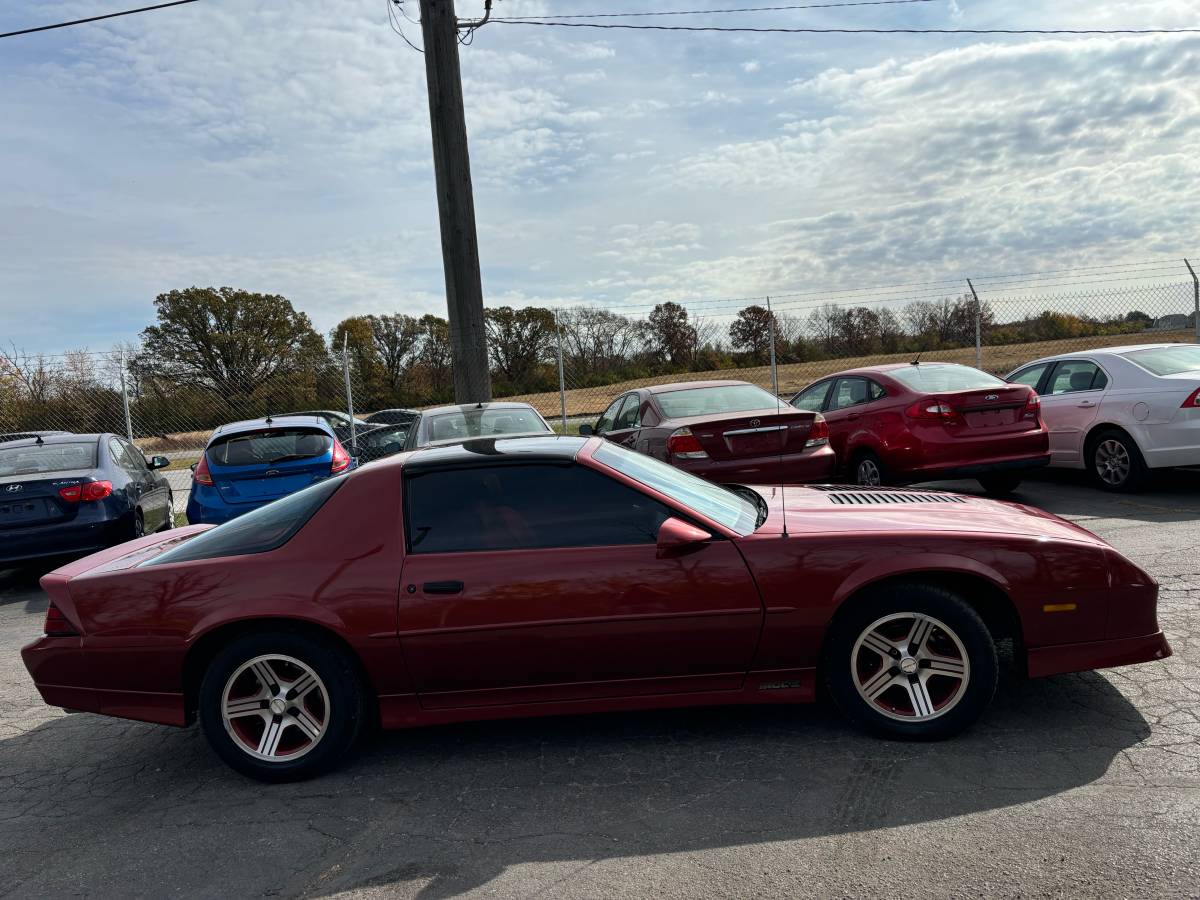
point(283, 146)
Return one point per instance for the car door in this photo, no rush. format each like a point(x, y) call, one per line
point(155, 491)
point(627, 421)
point(844, 410)
point(1071, 396)
point(531, 582)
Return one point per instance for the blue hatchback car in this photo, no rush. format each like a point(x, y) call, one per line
point(248, 464)
point(77, 493)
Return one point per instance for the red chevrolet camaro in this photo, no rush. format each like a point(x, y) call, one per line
point(536, 575)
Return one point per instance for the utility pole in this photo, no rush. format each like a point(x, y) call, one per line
point(456, 203)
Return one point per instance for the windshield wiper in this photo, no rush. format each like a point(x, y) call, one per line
point(289, 456)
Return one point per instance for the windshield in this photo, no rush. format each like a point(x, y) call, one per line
point(724, 398)
point(1167, 360)
point(458, 425)
point(271, 446)
point(266, 528)
point(708, 499)
point(35, 459)
point(944, 378)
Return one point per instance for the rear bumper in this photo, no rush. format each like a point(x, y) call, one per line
point(814, 466)
point(975, 470)
point(1061, 658)
point(59, 670)
point(18, 544)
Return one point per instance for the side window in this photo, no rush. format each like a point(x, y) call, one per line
point(137, 462)
point(848, 392)
point(605, 423)
point(515, 507)
point(1073, 376)
point(1031, 376)
point(875, 390)
point(629, 416)
point(122, 455)
point(812, 398)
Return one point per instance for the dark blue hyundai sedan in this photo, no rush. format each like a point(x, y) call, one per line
point(77, 493)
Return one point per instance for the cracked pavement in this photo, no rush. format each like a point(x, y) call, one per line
point(1078, 785)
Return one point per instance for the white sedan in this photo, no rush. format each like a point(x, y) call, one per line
point(1120, 411)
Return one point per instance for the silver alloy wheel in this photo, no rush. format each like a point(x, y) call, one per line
point(910, 667)
point(275, 708)
point(868, 473)
point(1113, 464)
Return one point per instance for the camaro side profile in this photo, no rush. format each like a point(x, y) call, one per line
point(550, 575)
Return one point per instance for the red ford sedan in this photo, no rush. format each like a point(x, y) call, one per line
point(548, 575)
point(730, 432)
point(899, 424)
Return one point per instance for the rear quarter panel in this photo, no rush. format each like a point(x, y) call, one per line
point(341, 571)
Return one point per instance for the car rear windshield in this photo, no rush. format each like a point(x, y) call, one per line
point(268, 447)
point(1167, 360)
point(944, 378)
point(708, 499)
point(460, 425)
point(266, 528)
point(724, 398)
point(36, 459)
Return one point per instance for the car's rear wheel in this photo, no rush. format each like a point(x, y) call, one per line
point(1002, 483)
point(280, 706)
point(1115, 462)
point(911, 661)
point(869, 470)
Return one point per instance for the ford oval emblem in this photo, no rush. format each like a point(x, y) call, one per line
point(754, 423)
point(13, 488)
point(272, 471)
point(992, 397)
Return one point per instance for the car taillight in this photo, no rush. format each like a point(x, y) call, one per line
point(685, 445)
point(341, 459)
point(1192, 401)
point(96, 490)
point(72, 493)
point(200, 474)
point(1033, 406)
point(931, 409)
point(58, 625)
point(818, 435)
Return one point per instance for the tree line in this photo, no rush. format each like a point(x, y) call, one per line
point(217, 353)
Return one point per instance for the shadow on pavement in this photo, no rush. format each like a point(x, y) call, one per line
point(440, 811)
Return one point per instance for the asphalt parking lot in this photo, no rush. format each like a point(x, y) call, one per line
point(1080, 785)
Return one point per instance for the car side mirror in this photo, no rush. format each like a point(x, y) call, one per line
point(159, 462)
point(586, 429)
point(676, 536)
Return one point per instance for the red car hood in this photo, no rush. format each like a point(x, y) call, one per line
point(826, 510)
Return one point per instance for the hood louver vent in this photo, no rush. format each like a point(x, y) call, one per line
point(869, 497)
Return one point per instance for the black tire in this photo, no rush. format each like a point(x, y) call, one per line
point(138, 526)
point(862, 464)
point(1000, 483)
point(170, 521)
point(952, 707)
point(344, 711)
point(1115, 462)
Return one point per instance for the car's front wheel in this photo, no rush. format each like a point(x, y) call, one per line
point(911, 661)
point(280, 706)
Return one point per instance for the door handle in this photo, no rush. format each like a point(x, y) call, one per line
point(1086, 403)
point(442, 587)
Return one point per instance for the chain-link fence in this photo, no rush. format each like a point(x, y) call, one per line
point(571, 363)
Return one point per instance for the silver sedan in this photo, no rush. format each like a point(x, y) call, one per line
point(1120, 411)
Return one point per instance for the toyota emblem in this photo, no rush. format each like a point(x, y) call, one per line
point(754, 423)
point(13, 488)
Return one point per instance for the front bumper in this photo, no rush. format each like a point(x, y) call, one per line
point(1061, 658)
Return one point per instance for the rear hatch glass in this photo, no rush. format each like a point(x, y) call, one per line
point(31, 477)
point(250, 467)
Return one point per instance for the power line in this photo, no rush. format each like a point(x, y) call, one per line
point(127, 12)
point(708, 12)
point(559, 23)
